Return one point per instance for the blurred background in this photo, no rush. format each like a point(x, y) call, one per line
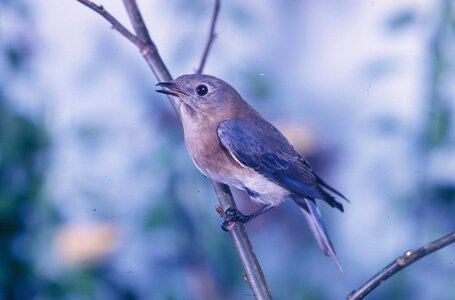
point(99, 199)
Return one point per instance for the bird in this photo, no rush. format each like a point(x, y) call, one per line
point(231, 143)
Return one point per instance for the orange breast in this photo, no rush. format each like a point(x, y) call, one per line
point(205, 148)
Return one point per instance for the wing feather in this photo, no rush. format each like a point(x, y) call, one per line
point(258, 145)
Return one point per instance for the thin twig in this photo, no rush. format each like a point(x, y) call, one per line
point(116, 25)
point(400, 263)
point(253, 271)
point(212, 36)
point(142, 40)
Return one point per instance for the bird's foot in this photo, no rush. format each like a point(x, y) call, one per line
point(233, 215)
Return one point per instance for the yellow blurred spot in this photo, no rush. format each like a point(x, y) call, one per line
point(78, 243)
point(300, 136)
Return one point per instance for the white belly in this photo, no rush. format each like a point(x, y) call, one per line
point(269, 192)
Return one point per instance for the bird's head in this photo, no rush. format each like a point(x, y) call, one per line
point(203, 93)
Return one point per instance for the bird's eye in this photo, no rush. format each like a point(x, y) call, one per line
point(202, 90)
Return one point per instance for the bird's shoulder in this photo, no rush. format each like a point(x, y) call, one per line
point(257, 144)
point(253, 130)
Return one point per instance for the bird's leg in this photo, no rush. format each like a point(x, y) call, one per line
point(234, 215)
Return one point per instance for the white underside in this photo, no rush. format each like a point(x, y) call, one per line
point(269, 192)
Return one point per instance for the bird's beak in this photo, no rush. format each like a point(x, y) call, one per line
point(170, 89)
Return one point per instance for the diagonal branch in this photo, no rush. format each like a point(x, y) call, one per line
point(212, 36)
point(253, 271)
point(148, 49)
point(400, 263)
point(151, 56)
point(116, 25)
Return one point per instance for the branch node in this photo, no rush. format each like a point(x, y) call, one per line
point(408, 254)
point(219, 210)
point(146, 50)
point(116, 25)
point(400, 261)
point(403, 260)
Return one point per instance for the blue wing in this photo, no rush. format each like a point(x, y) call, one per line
point(258, 145)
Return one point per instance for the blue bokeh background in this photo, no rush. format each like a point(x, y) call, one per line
point(99, 199)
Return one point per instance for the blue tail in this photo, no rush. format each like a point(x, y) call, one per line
point(314, 220)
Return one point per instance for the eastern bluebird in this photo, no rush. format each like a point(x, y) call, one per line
point(231, 143)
